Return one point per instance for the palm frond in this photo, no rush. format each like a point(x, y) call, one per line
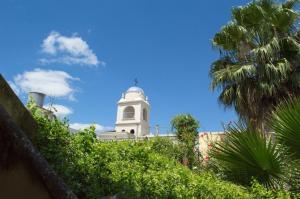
point(232, 73)
point(290, 4)
point(250, 15)
point(277, 71)
point(230, 36)
point(266, 52)
point(246, 153)
point(259, 58)
point(286, 124)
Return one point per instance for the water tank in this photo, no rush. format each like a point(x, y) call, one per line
point(37, 97)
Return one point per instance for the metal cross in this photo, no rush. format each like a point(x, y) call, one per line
point(136, 82)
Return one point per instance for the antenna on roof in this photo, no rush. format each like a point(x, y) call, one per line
point(136, 81)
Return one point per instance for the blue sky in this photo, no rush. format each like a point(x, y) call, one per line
point(95, 49)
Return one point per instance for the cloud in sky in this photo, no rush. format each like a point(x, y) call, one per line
point(99, 128)
point(59, 110)
point(68, 50)
point(50, 82)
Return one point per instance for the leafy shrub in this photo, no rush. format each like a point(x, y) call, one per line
point(186, 128)
point(144, 169)
point(166, 147)
point(259, 191)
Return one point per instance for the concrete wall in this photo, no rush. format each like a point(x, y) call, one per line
point(15, 108)
point(17, 177)
point(206, 139)
point(19, 181)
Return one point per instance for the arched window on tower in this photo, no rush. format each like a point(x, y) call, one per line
point(128, 113)
point(145, 114)
point(132, 131)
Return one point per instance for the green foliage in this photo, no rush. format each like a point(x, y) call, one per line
point(145, 169)
point(140, 172)
point(186, 128)
point(246, 153)
point(259, 191)
point(292, 175)
point(166, 147)
point(286, 124)
point(258, 64)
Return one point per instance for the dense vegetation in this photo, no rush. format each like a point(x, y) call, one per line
point(145, 169)
point(273, 159)
point(259, 59)
point(257, 71)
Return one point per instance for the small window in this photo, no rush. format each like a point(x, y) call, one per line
point(145, 114)
point(123, 130)
point(132, 131)
point(128, 113)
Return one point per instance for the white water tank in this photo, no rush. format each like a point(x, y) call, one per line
point(37, 97)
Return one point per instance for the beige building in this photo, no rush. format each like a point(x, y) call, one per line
point(206, 139)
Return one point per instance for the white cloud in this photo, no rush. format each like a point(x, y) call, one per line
point(50, 82)
point(99, 128)
point(59, 110)
point(14, 87)
point(68, 50)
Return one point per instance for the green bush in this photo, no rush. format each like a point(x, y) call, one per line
point(144, 169)
point(186, 129)
point(166, 147)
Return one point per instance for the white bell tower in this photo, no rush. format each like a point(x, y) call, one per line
point(133, 113)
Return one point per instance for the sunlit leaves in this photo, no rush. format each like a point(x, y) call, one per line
point(129, 169)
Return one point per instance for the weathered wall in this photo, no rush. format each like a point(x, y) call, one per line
point(206, 139)
point(24, 173)
point(16, 109)
point(18, 181)
point(17, 178)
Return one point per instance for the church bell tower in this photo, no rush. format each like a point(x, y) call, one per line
point(133, 113)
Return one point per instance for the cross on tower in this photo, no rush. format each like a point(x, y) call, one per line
point(136, 82)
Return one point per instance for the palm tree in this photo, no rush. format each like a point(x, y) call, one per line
point(246, 153)
point(259, 59)
point(286, 123)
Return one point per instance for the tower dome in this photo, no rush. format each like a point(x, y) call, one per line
point(135, 89)
point(134, 93)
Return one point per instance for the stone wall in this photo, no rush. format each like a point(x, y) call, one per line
point(19, 181)
point(15, 108)
point(17, 176)
point(206, 140)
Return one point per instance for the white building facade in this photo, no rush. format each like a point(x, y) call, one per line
point(133, 113)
